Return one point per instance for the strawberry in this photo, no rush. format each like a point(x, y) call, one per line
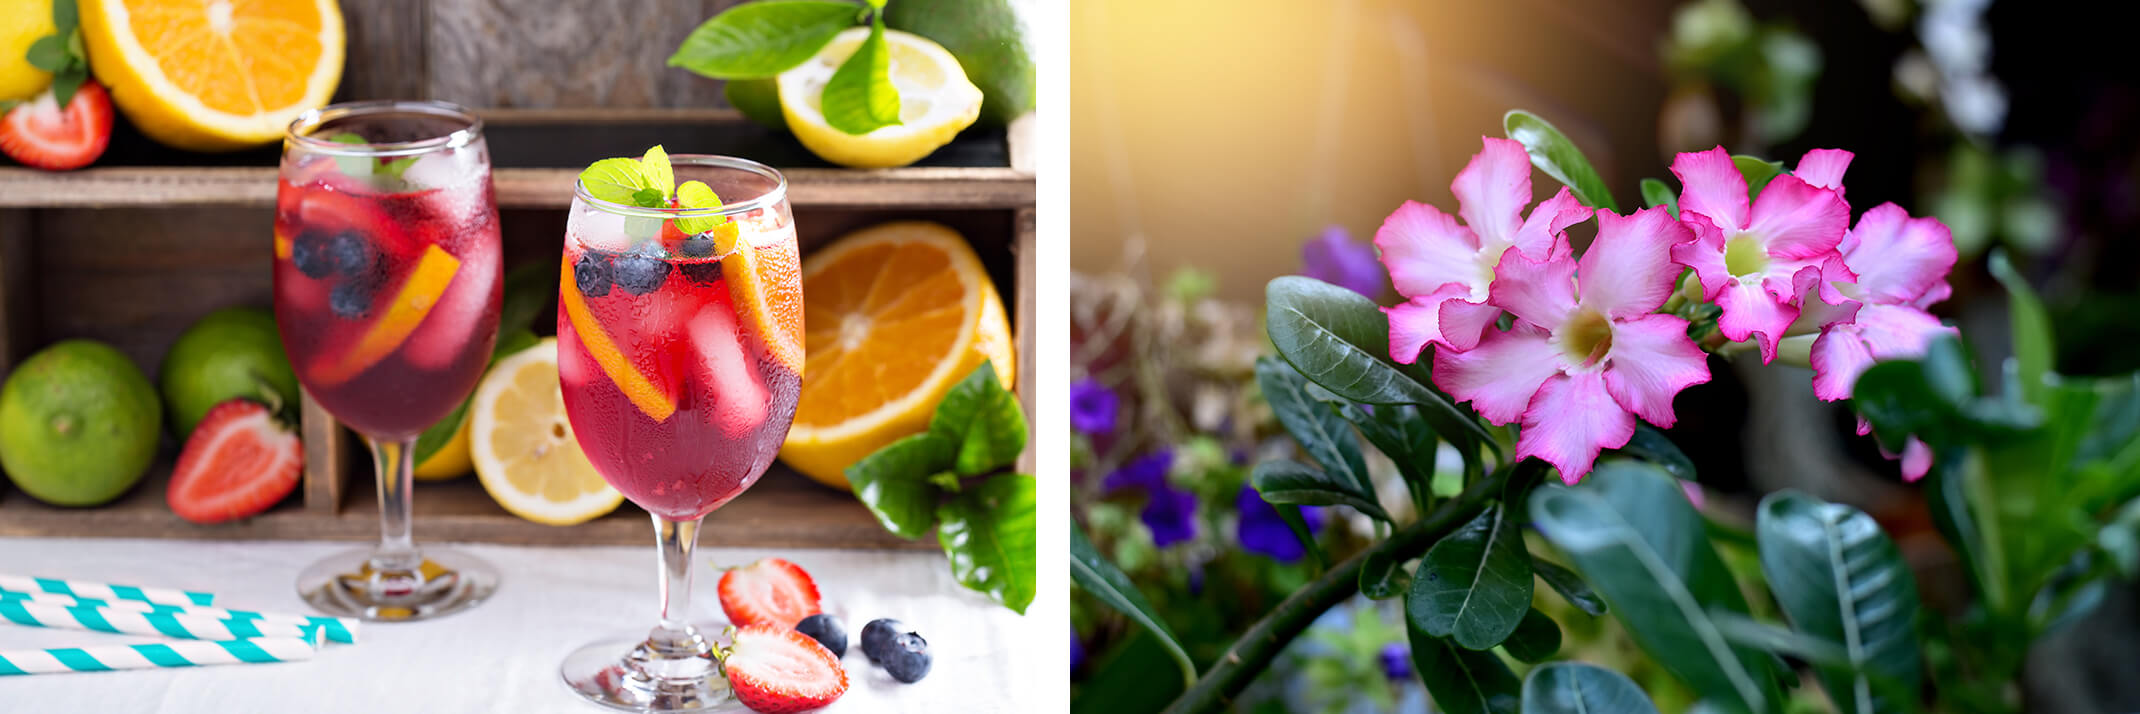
point(37, 133)
point(774, 669)
point(771, 591)
point(239, 462)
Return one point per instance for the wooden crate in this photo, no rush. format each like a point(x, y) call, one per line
point(134, 250)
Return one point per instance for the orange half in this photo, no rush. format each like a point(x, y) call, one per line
point(434, 271)
point(635, 386)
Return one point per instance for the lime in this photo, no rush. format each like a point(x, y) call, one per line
point(78, 424)
point(987, 39)
point(233, 352)
point(758, 99)
point(19, 27)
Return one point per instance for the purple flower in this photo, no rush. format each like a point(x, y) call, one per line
point(1077, 650)
point(1335, 258)
point(1171, 515)
point(1262, 531)
point(1396, 662)
point(1148, 472)
point(1092, 407)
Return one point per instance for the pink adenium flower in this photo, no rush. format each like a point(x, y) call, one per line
point(1900, 266)
point(1445, 270)
point(1758, 262)
point(1586, 355)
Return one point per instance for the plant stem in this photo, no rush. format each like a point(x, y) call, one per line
point(1253, 652)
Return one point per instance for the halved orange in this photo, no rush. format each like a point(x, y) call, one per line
point(650, 399)
point(214, 75)
point(434, 271)
point(896, 315)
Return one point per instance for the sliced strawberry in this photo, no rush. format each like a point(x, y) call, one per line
point(771, 591)
point(774, 669)
point(37, 133)
point(239, 462)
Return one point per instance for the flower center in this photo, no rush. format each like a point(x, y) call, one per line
point(1586, 338)
point(1744, 256)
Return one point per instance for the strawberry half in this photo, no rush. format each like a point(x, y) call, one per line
point(774, 669)
point(771, 591)
point(239, 462)
point(38, 133)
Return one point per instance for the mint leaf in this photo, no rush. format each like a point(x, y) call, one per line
point(650, 198)
point(696, 194)
point(988, 534)
point(66, 82)
point(659, 174)
point(65, 17)
point(353, 166)
point(640, 228)
point(615, 180)
point(981, 419)
point(860, 97)
point(49, 53)
point(756, 40)
point(894, 483)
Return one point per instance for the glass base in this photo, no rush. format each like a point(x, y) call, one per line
point(355, 583)
point(628, 673)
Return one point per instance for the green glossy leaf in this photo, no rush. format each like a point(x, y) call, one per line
point(1295, 483)
point(49, 53)
point(1570, 586)
point(1338, 339)
point(1758, 173)
point(66, 17)
point(1935, 399)
point(1578, 688)
point(1553, 153)
point(894, 482)
point(1475, 584)
point(1839, 578)
point(1657, 193)
point(68, 81)
point(528, 289)
point(1461, 681)
point(2031, 327)
point(1321, 431)
point(1107, 583)
point(1299, 526)
point(1650, 444)
point(983, 419)
point(1399, 433)
point(988, 534)
point(860, 97)
point(1382, 576)
point(760, 39)
point(1634, 537)
point(1536, 639)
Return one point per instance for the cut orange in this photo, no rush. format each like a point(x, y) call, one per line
point(214, 75)
point(896, 315)
point(764, 282)
point(635, 386)
point(434, 271)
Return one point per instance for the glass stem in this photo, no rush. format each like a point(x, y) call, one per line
point(675, 636)
point(395, 460)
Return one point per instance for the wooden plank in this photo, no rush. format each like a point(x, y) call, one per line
point(501, 53)
point(1022, 251)
point(385, 59)
point(18, 298)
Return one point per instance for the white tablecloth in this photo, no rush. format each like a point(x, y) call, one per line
point(502, 656)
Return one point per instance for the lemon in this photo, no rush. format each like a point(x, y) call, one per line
point(449, 461)
point(20, 26)
point(936, 102)
point(523, 447)
point(214, 75)
point(894, 316)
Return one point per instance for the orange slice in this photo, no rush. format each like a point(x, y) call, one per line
point(214, 75)
point(434, 271)
point(282, 246)
point(635, 386)
point(766, 283)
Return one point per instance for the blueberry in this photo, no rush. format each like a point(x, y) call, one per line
point(909, 659)
point(827, 630)
point(309, 252)
point(640, 274)
point(349, 254)
point(698, 246)
point(352, 299)
point(877, 638)
point(592, 273)
point(702, 273)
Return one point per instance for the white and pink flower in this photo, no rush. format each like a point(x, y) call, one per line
point(1758, 262)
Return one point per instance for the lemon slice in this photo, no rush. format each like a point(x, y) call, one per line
point(936, 102)
point(214, 75)
point(523, 446)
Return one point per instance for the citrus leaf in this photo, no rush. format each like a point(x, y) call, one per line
point(1553, 153)
point(755, 40)
point(1107, 583)
point(894, 482)
point(1578, 688)
point(860, 97)
point(988, 533)
point(983, 420)
point(1474, 585)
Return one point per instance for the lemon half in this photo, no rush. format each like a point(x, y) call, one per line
point(936, 102)
point(523, 446)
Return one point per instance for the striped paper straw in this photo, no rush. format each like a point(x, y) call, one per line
point(100, 591)
point(334, 629)
point(177, 654)
point(167, 624)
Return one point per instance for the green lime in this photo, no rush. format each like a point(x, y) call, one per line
point(78, 424)
point(989, 42)
point(758, 99)
point(233, 352)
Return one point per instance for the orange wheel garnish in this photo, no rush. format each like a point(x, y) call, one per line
point(434, 271)
point(766, 284)
point(635, 386)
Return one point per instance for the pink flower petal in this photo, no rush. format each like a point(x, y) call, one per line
point(1541, 292)
point(1839, 357)
point(1897, 258)
point(1628, 271)
point(1816, 313)
point(1823, 168)
point(1651, 361)
point(1713, 187)
point(1798, 221)
point(1426, 249)
point(1705, 254)
point(1445, 318)
point(1543, 234)
point(1465, 323)
point(1898, 331)
point(1938, 293)
point(1751, 309)
point(1916, 460)
point(1492, 190)
point(1572, 418)
point(1500, 375)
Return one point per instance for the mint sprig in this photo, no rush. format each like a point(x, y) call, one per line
point(650, 182)
point(389, 170)
point(61, 53)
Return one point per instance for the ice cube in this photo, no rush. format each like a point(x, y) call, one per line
point(452, 323)
point(739, 394)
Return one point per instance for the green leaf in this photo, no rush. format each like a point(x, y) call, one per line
point(1461, 681)
point(1382, 576)
point(1634, 537)
point(660, 176)
point(1322, 432)
point(616, 180)
point(984, 421)
point(1553, 153)
point(860, 97)
point(1839, 578)
point(696, 194)
point(988, 532)
point(1338, 339)
point(49, 53)
point(528, 289)
point(2031, 327)
point(1110, 586)
point(1935, 399)
point(1650, 444)
point(1299, 526)
point(1570, 586)
point(1295, 483)
point(1401, 435)
point(1657, 193)
point(1474, 585)
point(66, 16)
point(1758, 173)
point(436, 437)
point(68, 81)
point(1578, 688)
point(894, 482)
point(1536, 638)
point(755, 40)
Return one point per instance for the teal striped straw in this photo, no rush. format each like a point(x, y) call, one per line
point(334, 629)
point(177, 654)
point(101, 591)
point(149, 623)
